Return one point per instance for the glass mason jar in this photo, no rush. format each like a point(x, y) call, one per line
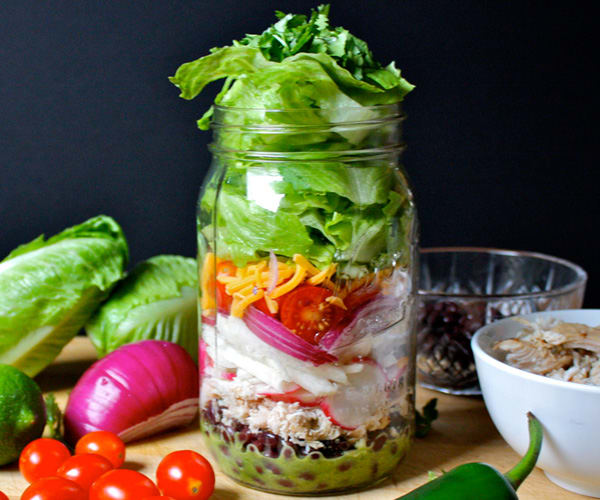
point(307, 257)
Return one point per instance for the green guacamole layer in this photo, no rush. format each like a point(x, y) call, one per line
point(311, 474)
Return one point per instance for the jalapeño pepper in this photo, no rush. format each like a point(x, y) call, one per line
point(477, 481)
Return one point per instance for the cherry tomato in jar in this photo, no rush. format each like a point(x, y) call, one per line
point(122, 484)
point(54, 488)
point(3, 496)
point(224, 300)
point(42, 458)
point(226, 268)
point(185, 475)
point(104, 443)
point(306, 313)
point(84, 469)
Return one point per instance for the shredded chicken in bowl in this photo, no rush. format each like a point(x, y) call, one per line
point(559, 350)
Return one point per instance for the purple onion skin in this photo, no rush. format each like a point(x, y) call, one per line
point(130, 385)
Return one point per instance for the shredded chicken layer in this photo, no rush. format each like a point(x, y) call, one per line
point(556, 349)
point(301, 425)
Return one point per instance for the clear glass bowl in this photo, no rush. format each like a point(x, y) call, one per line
point(462, 289)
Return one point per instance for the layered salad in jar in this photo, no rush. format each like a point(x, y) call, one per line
point(306, 232)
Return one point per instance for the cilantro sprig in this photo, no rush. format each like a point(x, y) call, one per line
point(424, 420)
point(295, 33)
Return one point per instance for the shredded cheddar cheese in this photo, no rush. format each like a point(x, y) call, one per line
point(336, 301)
point(235, 284)
point(288, 286)
point(257, 273)
point(250, 283)
point(244, 292)
point(303, 261)
point(322, 276)
point(355, 284)
point(272, 305)
point(239, 306)
point(207, 285)
point(239, 284)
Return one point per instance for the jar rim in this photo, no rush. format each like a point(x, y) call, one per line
point(285, 118)
point(270, 127)
point(373, 107)
point(347, 156)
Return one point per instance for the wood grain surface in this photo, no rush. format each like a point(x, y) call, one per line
point(463, 433)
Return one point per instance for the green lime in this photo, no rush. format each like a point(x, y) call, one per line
point(22, 412)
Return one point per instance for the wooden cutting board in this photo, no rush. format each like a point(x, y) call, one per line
point(463, 433)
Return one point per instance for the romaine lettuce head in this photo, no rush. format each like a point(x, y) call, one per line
point(156, 301)
point(50, 288)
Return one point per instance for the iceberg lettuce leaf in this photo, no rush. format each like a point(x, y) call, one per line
point(192, 77)
point(247, 231)
point(297, 63)
point(327, 212)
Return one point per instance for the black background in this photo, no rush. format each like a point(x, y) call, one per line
point(501, 130)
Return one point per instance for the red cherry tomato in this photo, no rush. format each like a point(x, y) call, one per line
point(54, 488)
point(3, 496)
point(305, 312)
point(185, 475)
point(122, 484)
point(227, 268)
point(224, 300)
point(84, 469)
point(104, 443)
point(41, 458)
point(157, 497)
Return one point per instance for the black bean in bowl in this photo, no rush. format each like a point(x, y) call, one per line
point(444, 332)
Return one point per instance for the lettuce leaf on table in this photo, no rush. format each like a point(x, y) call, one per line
point(49, 289)
point(158, 300)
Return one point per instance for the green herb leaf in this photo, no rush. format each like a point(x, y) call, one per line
point(431, 475)
point(424, 420)
point(54, 419)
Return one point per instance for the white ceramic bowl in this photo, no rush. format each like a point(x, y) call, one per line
point(569, 412)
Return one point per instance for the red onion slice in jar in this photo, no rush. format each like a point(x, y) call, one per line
point(273, 272)
point(274, 333)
